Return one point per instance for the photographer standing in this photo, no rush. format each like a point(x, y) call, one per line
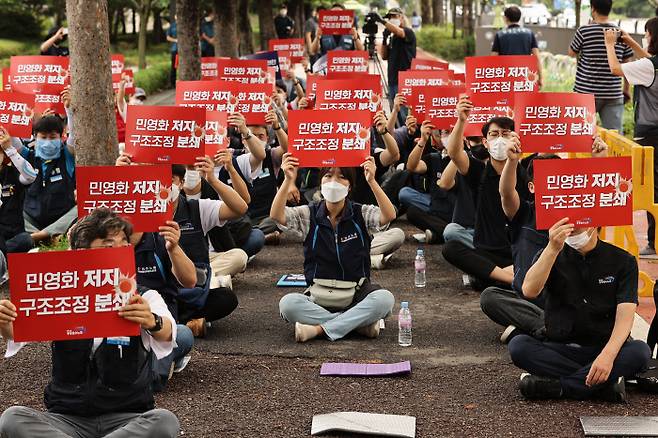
point(398, 47)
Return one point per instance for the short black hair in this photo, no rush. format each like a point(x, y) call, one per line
point(503, 122)
point(651, 26)
point(338, 5)
point(97, 225)
point(530, 171)
point(178, 170)
point(348, 172)
point(602, 7)
point(513, 14)
point(48, 124)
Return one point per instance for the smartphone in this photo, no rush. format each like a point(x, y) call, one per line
point(65, 31)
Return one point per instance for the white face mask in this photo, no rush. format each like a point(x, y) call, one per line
point(284, 12)
point(645, 43)
point(498, 149)
point(334, 191)
point(135, 101)
point(192, 179)
point(395, 21)
point(579, 240)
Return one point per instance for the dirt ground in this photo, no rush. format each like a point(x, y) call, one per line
point(249, 378)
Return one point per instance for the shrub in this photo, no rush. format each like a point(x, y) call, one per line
point(439, 41)
point(154, 78)
point(16, 21)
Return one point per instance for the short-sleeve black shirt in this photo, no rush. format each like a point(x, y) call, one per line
point(514, 40)
point(400, 54)
point(526, 241)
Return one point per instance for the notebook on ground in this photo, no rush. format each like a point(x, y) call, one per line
point(292, 280)
point(620, 426)
point(365, 423)
point(365, 369)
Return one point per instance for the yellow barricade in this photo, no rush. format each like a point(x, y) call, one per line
point(643, 184)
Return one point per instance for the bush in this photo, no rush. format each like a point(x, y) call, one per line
point(9, 48)
point(154, 78)
point(16, 21)
point(439, 41)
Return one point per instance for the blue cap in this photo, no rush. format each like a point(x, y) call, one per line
point(404, 304)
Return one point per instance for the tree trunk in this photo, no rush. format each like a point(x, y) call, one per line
point(437, 12)
point(158, 35)
point(467, 9)
point(426, 10)
point(577, 8)
point(144, 10)
point(60, 12)
point(115, 23)
point(265, 22)
point(187, 22)
point(92, 98)
point(123, 22)
point(226, 28)
point(296, 12)
point(134, 20)
point(244, 26)
point(454, 19)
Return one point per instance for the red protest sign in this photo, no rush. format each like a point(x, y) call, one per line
point(312, 86)
point(216, 132)
point(31, 74)
point(251, 100)
point(6, 79)
point(118, 64)
point(480, 115)
point(293, 45)
point(591, 192)
point(364, 93)
point(66, 295)
point(496, 80)
point(458, 78)
point(139, 193)
point(210, 68)
point(16, 113)
point(336, 22)
point(428, 64)
point(441, 105)
point(128, 76)
point(555, 122)
point(246, 71)
point(410, 79)
point(343, 64)
point(329, 138)
point(165, 134)
point(49, 98)
point(285, 62)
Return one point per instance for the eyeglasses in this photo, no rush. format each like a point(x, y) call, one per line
point(505, 133)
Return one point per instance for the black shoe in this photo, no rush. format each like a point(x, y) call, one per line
point(537, 387)
point(614, 392)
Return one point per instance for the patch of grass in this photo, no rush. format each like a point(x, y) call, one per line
point(9, 48)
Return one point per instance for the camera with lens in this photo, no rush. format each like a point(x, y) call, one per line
point(370, 24)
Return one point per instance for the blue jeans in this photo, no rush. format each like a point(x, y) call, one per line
point(296, 307)
point(611, 112)
point(454, 231)
point(255, 242)
point(184, 344)
point(571, 362)
point(413, 198)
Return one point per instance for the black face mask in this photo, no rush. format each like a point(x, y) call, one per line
point(479, 152)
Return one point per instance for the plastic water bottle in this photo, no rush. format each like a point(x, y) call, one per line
point(404, 325)
point(419, 265)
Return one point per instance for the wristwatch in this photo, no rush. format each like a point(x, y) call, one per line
point(277, 128)
point(384, 132)
point(158, 324)
point(296, 83)
point(248, 136)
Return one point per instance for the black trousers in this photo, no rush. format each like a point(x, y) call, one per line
point(478, 263)
point(651, 230)
point(427, 221)
point(220, 303)
point(172, 73)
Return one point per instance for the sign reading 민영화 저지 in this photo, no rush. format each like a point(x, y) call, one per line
point(251, 100)
point(67, 295)
point(440, 105)
point(591, 192)
point(555, 122)
point(344, 64)
point(336, 22)
point(16, 113)
point(142, 194)
point(293, 45)
point(363, 93)
point(165, 134)
point(43, 76)
point(245, 71)
point(428, 64)
point(497, 80)
point(329, 138)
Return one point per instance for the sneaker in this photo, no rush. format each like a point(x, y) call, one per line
point(429, 236)
point(537, 387)
point(379, 261)
point(171, 370)
point(273, 238)
point(420, 237)
point(225, 281)
point(198, 327)
point(508, 334)
point(614, 392)
point(181, 364)
point(648, 252)
point(304, 332)
point(250, 259)
point(371, 330)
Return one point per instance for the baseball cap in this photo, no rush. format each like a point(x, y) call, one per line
point(393, 11)
point(139, 92)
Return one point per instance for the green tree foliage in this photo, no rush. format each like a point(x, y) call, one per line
point(634, 8)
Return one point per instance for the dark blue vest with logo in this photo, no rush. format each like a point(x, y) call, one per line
point(263, 189)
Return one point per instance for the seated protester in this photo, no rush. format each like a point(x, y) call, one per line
point(590, 288)
point(289, 91)
point(91, 393)
point(429, 157)
point(490, 262)
point(15, 174)
point(196, 218)
point(336, 247)
point(384, 243)
point(324, 43)
point(50, 207)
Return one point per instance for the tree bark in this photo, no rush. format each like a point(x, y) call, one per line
point(144, 10)
point(134, 20)
point(244, 26)
point(158, 35)
point(92, 98)
point(265, 22)
point(438, 17)
point(426, 11)
point(577, 4)
point(467, 9)
point(226, 28)
point(296, 12)
point(454, 19)
point(189, 58)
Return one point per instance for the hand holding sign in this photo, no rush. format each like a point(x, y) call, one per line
point(237, 120)
point(514, 152)
point(369, 170)
point(206, 166)
point(171, 234)
point(7, 314)
point(599, 148)
point(138, 310)
point(464, 107)
point(289, 166)
point(558, 234)
point(411, 124)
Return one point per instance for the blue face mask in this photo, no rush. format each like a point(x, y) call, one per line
point(47, 149)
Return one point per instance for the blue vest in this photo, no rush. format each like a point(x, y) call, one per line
point(263, 190)
point(192, 239)
point(340, 254)
point(154, 270)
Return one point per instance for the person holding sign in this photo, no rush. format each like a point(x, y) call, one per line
point(324, 43)
point(98, 386)
point(591, 297)
point(336, 254)
point(491, 260)
point(641, 74)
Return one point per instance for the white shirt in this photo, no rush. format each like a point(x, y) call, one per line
point(640, 72)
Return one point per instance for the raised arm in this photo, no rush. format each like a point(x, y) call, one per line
point(398, 101)
point(225, 158)
point(289, 167)
point(507, 185)
point(27, 174)
point(233, 205)
point(391, 154)
point(447, 180)
point(388, 213)
point(181, 265)
point(281, 135)
point(611, 36)
point(52, 40)
point(415, 164)
point(456, 140)
point(253, 143)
